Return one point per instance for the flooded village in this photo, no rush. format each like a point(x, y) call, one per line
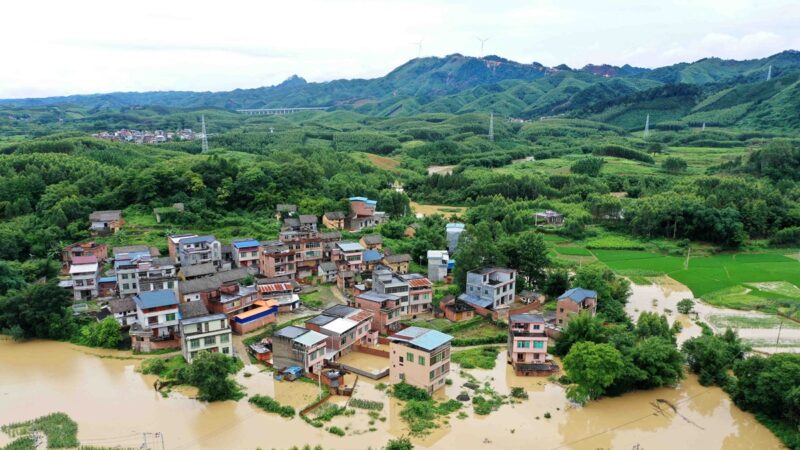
point(372, 323)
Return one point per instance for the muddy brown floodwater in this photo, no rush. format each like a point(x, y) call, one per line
point(113, 405)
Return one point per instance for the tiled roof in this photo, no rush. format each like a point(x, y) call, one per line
point(308, 219)
point(103, 216)
point(199, 270)
point(578, 294)
point(91, 259)
point(474, 300)
point(371, 255)
point(328, 266)
point(399, 258)
point(122, 305)
point(526, 318)
point(275, 287)
point(192, 309)
point(372, 239)
point(334, 215)
point(340, 311)
point(419, 282)
point(199, 285)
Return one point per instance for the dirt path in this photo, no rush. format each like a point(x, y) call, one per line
point(240, 349)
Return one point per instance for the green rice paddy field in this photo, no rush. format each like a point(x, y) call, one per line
point(767, 281)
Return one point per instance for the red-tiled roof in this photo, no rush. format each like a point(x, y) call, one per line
point(361, 315)
point(91, 259)
point(275, 287)
point(419, 282)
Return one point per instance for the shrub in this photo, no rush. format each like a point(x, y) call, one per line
point(518, 392)
point(673, 164)
point(685, 306)
point(624, 152)
point(336, 430)
point(401, 443)
point(589, 165)
point(269, 404)
point(547, 415)
point(154, 366)
point(366, 404)
point(407, 392)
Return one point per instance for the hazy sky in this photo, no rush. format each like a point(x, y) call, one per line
point(77, 47)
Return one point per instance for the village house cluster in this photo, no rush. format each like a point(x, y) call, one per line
point(203, 292)
point(148, 137)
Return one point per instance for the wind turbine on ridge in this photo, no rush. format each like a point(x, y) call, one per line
point(482, 41)
point(419, 48)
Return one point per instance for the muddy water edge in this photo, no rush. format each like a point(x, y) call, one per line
point(114, 404)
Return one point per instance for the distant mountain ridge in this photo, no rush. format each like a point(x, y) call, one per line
point(458, 84)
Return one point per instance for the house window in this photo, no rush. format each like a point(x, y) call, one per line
point(225, 350)
point(195, 343)
point(432, 374)
point(523, 344)
point(421, 360)
point(170, 284)
point(210, 340)
point(125, 286)
point(170, 317)
point(410, 357)
point(224, 339)
point(538, 344)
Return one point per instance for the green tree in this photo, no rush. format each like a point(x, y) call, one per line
point(710, 357)
point(39, 311)
point(528, 254)
point(612, 291)
point(589, 165)
point(104, 334)
point(209, 372)
point(686, 306)
point(592, 368)
point(581, 328)
point(477, 248)
point(659, 360)
point(673, 164)
point(653, 324)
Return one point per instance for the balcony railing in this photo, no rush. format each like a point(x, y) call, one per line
point(526, 333)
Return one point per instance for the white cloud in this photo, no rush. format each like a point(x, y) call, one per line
point(56, 47)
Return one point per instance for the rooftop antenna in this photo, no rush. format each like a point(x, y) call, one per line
point(205, 137)
point(647, 127)
point(483, 41)
point(491, 127)
point(419, 48)
point(769, 73)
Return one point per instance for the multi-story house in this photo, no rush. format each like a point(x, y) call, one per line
point(334, 220)
point(384, 281)
point(349, 256)
point(276, 259)
point(106, 222)
point(420, 357)
point(172, 245)
point(363, 214)
point(527, 342)
point(303, 222)
point(453, 233)
point(420, 294)
point(327, 272)
point(372, 241)
point(245, 252)
point(139, 272)
point(438, 261)
point(156, 324)
point(308, 249)
point(491, 288)
point(344, 326)
point(199, 250)
point(84, 273)
point(295, 346)
point(575, 301)
point(385, 309)
point(201, 331)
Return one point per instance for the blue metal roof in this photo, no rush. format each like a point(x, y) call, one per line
point(363, 199)
point(422, 337)
point(578, 294)
point(107, 280)
point(155, 299)
point(131, 256)
point(372, 255)
point(246, 244)
point(474, 300)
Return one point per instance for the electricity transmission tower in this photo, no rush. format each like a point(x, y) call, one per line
point(419, 48)
point(647, 127)
point(205, 137)
point(769, 73)
point(491, 127)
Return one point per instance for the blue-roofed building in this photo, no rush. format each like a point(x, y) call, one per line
point(348, 256)
point(575, 301)
point(157, 319)
point(371, 258)
point(245, 252)
point(420, 357)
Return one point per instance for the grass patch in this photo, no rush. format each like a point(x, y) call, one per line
point(614, 243)
point(60, 429)
point(366, 404)
point(421, 412)
point(476, 331)
point(572, 251)
point(482, 358)
point(728, 321)
point(271, 405)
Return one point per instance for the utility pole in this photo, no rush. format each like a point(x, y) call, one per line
point(144, 444)
point(161, 435)
point(205, 137)
point(491, 127)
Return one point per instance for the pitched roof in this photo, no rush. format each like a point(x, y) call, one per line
point(372, 239)
point(307, 218)
point(199, 285)
point(122, 305)
point(328, 266)
point(270, 288)
point(399, 258)
point(291, 222)
point(192, 309)
point(371, 255)
point(423, 338)
point(331, 235)
point(91, 259)
point(419, 282)
point(104, 216)
point(130, 249)
point(321, 320)
point(290, 332)
point(474, 300)
point(376, 297)
point(334, 215)
point(340, 311)
point(233, 275)
point(578, 294)
point(285, 207)
point(155, 299)
point(199, 270)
